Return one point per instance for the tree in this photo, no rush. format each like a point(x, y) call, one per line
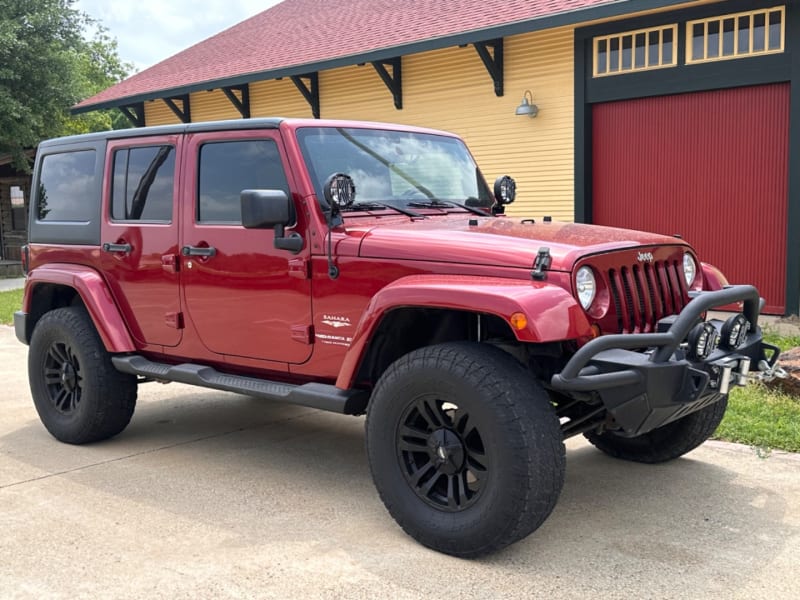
point(46, 66)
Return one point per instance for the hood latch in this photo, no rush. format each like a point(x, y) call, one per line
point(541, 264)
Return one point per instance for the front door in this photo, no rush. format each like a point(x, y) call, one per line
point(139, 236)
point(239, 293)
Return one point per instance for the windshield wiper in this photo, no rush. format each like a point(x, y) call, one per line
point(445, 203)
point(373, 205)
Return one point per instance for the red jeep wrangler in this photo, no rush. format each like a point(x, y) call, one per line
point(368, 268)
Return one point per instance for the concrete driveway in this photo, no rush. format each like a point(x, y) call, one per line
point(208, 494)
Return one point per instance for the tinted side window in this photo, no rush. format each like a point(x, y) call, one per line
point(143, 184)
point(227, 168)
point(66, 187)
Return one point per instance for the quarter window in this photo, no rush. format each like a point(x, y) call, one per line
point(639, 50)
point(143, 184)
point(227, 168)
point(737, 35)
point(66, 187)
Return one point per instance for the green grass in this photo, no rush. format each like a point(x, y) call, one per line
point(10, 302)
point(761, 417)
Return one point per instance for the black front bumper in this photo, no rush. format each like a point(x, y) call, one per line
point(648, 380)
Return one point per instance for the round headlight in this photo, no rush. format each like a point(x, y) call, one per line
point(586, 286)
point(689, 269)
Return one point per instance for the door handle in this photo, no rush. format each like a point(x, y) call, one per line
point(198, 251)
point(126, 248)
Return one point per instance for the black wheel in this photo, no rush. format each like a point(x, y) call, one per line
point(464, 447)
point(665, 443)
point(79, 395)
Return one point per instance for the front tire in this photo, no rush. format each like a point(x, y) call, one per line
point(665, 443)
point(79, 395)
point(464, 447)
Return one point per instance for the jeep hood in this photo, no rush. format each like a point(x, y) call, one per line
point(496, 241)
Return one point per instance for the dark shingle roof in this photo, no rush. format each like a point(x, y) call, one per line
point(298, 36)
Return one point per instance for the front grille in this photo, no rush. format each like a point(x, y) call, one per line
point(644, 293)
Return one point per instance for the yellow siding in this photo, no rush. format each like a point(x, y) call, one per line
point(156, 112)
point(278, 98)
point(212, 106)
point(450, 89)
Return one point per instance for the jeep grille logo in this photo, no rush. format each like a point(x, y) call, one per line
point(645, 257)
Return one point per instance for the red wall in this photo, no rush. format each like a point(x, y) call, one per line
point(710, 166)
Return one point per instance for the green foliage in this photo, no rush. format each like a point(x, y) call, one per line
point(10, 302)
point(46, 66)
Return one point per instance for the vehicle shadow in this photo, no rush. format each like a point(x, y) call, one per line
point(260, 471)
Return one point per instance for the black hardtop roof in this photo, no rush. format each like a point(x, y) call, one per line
point(137, 132)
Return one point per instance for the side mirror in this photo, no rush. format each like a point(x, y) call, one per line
point(262, 209)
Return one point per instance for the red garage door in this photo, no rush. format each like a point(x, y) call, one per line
point(710, 166)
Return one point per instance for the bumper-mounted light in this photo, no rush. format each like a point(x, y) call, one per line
point(703, 339)
point(734, 331)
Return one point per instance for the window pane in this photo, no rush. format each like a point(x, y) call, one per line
point(759, 30)
point(602, 56)
point(614, 55)
point(728, 26)
point(775, 30)
point(66, 186)
point(639, 58)
point(227, 168)
point(744, 35)
point(712, 41)
point(627, 52)
point(653, 48)
point(698, 41)
point(666, 55)
point(143, 183)
point(18, 212)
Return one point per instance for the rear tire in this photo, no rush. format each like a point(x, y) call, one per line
point(79, 395)
point(665, 443)
point(464, 447)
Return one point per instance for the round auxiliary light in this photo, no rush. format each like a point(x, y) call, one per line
point(734, 331)
point(586, 286)
point(703, 338)
point(689, 269)
point(505, 190)
point(339, 191)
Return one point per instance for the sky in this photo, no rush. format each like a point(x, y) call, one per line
point(148, 31)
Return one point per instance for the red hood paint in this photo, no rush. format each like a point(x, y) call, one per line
point(452, 239)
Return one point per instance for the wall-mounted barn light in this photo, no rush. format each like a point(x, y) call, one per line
point(527, 108)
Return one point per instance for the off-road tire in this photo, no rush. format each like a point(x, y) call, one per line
point(665, 443)
point(499, 405)
point(79, 395)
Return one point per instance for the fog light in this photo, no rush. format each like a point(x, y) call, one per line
point(702, 340)
point(734, 331)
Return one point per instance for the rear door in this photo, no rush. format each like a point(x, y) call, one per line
point(245, 298)
point(139, 236)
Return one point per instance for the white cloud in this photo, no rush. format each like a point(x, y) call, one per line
point(149, 31)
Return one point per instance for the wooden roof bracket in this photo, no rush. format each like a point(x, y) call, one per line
point(394, 81)
point(493, 61)
point(134, 113)
point(183, 112)
point(240, 102)
point(310, 91)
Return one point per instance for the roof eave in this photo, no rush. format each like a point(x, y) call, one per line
point(573, 17)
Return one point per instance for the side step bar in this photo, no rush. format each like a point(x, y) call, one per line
point(313, 395)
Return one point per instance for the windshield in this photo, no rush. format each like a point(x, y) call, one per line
point(398, 168)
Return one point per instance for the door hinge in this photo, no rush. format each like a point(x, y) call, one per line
point(298, 268)
point(303, 333)
point(174, 320)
